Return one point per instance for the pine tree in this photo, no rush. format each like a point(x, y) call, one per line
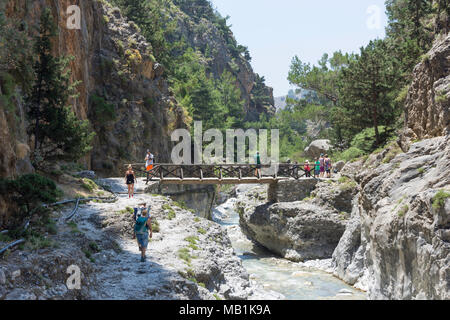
point(58, 134)
point(365, 86)
point(230, 100)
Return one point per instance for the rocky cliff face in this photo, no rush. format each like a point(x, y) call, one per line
point(306, 224)
point(397, 242)
point(428, 100)
point(116, 68)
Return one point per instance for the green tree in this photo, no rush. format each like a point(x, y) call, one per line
point(365, 87)
point(230, 100)
point(29, 190)
point(58, 134)
point(322, 79)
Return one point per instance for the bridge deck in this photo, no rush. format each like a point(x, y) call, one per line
point(221, 173)
point(263, 180)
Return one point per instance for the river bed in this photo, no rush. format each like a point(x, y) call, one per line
point(293, 281)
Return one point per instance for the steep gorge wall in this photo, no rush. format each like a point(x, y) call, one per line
point(427, 108)
point(114, 62)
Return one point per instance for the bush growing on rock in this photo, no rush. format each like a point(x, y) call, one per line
point(439, 199)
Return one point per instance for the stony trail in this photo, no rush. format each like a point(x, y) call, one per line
point(210, 271)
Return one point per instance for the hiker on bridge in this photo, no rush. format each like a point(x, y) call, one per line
point(322, 165)
point(130, 179)
point(258, 165)
point(149, 159)
point(328, 166)
point(141, 228)
point(307, 169)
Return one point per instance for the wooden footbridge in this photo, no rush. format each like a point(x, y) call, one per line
point(220, 173)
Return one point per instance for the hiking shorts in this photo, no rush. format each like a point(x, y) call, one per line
point(142, 240)
point(317, 172)
point(322, 169)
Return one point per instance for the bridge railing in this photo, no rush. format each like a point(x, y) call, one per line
point(219, 171)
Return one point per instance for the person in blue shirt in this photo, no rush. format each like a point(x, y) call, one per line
point(141, 232)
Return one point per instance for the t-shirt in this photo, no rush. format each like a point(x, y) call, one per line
point(317, 165)
point(257, 159)
point(321, 161)
point(149, 159)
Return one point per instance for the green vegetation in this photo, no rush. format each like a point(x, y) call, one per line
point(346, 183)
point(73, 227)
point(127, 210)
point(155, 226)
point(88, 184)
point(192, 242)
point(439, 199)
point(171, 213)
point(29, 192)
point(101, 110)
point(201, 230)
point(185, 255)
point(403, 211)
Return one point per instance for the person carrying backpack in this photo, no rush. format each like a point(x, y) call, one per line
point(328, 166)
point(141, 228)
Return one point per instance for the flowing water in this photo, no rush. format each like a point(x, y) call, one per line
point(290, 279)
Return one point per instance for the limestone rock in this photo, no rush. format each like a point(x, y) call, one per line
point(20, 294)
point(317, 147)
point(396, 245)
point(86, 174)
point(339, 165)
point(428, 99)
point(297, 231)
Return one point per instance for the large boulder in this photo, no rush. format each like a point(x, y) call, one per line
point(297, 231)
point(317, 147)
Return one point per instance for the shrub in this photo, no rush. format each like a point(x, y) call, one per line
point(102, 111)
point(155, 225)
point(366, 142)
point(201, 230)
point(403, 211)
point(29, 190)
point(88, 184)
point(439, 199)
point(349, 154)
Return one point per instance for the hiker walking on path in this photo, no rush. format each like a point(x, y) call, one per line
point(328, 166)
point(258, 165)
point(141, 228)
point(322, 165)
point(130, 179)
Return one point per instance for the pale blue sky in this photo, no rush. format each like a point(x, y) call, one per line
point(275, 31)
